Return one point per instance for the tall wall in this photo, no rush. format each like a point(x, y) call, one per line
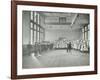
point(25, 27)
point(51, 35)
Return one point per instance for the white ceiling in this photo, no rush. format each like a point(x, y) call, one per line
point(57, 14)
point(73, 20)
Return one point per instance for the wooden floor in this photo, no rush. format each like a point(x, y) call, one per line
point(56, 58)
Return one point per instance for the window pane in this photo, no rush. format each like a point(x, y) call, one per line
point(31, 25)
point(31, 37)
point(37, 36)
point(31, 15)
point(34, 16)
point(38, 18)
point(86, 28)
point(41, 37)
point(34, 36)
point(35, 26)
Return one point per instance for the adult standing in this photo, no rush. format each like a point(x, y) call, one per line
point(69, 47)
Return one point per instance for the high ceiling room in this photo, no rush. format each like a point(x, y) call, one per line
point(64, 25)
point(55, 39)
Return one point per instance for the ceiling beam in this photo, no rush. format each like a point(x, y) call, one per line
point(74, 18)
point(56, 23)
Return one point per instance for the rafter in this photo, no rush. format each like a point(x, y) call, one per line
point(74, 18)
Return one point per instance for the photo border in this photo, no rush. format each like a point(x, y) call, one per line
point(14, 38)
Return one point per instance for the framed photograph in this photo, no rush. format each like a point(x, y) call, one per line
point(53, 39)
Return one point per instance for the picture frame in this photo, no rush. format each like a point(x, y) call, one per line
point(16, 47)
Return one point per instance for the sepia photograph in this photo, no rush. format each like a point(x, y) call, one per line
point(55, 39)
